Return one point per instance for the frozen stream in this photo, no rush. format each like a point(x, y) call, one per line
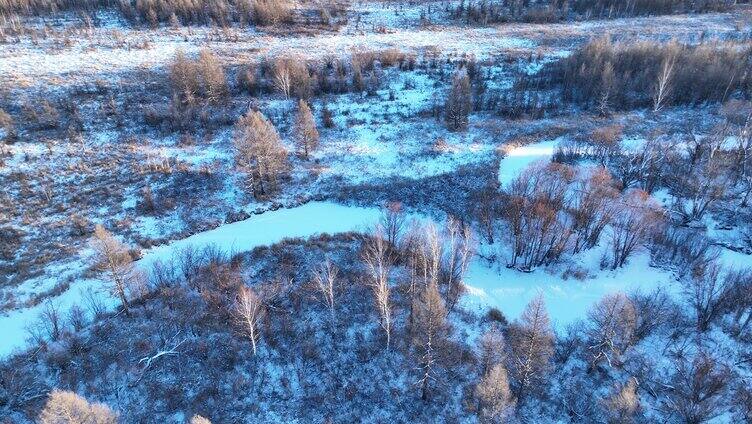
point(488, 285)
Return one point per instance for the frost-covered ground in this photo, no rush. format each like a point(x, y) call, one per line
point(387, 135)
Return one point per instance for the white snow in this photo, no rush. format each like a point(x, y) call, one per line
point(519, 158)
point(567, 300)
point(271, 227)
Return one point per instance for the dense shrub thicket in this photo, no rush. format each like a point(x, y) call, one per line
point(605, 76)
point(152, 12)
point(495, 11)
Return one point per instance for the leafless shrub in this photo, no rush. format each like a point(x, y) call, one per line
point(532, 205)
point(195, 79)
point(708, 290)
point(65, 407)
point(636, 219)
point(592, 207)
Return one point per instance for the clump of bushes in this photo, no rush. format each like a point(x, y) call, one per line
point(485, 12)
point(197, 79)
point(301, 78)
point(605, 75)
point(174, 12)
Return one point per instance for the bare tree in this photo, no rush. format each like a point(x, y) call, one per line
point(664, 85)
point(645, 167)
point(249, 311)
point(697, 187)
point(325, 280)
point(623, 404)
point(424, 248)
point(65, 407)
point(283, 76)
point(184, 78)
point(259, 153)
point(379, 261)
point(493, 349)
point(393, 222)
point(113, 256)
point(457, 246)
point(708, 289)
point(459, 102)
point(611, 327)
point(604, 143)
point(607, 87)
point(429, 335)
point(486, 211)
point(531, 342)
point(592, 207)
point(635, 220)
point(306, 134)
point(532, 209)
point(696, 388)
point(494, 395)
point(739, 297)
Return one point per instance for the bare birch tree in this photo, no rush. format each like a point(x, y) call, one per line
point(458, 246)
point(325, 280)
point(283, 76)
point(664, 84)
point(249, 311)
point(379, 261)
